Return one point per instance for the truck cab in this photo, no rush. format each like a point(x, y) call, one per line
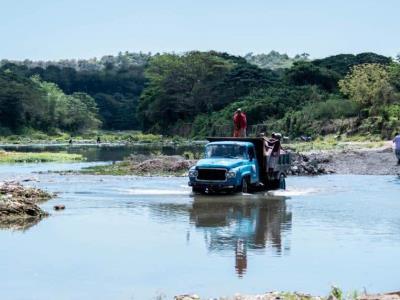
point(227, 166)
point(236, 164)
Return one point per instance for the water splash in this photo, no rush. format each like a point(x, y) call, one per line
point(293, 192)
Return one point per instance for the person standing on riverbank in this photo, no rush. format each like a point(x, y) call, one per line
point(239, 123)
point(396, 147)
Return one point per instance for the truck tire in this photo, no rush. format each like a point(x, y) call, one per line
point(244, 187)
point(278, 183)
point(273, 184)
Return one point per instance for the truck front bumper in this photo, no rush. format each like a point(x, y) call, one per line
point(214, 186)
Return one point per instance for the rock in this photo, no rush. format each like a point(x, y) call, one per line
point(187, 297)
point(386, 296)
point(309, 164)
point(313, 162)
point(59, 207)
point(331, 297)
point(28, 179)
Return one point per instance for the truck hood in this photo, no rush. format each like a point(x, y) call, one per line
point(227, 163)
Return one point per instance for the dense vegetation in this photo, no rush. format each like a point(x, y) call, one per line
point(195, 94)
point(115, 83)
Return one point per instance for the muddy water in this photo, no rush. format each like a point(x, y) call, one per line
point(142, 238)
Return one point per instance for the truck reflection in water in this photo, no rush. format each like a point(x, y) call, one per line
point(242, 224)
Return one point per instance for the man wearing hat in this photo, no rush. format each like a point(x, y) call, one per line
point(239, 123)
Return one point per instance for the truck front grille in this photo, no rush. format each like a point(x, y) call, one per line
point(212, 174)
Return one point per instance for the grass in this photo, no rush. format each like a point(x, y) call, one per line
point(331, 142)
point(129, 136)
point(335, 293)
point(30, 157)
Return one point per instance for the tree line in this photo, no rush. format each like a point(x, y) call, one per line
point(163, 93)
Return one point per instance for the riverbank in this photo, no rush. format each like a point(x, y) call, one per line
point(356, 161)
point(370, 161)
point(19, 205)
point(38, 157)
point(324, 156)
point(335, 294)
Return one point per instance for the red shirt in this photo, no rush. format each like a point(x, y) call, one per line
point(240, 120)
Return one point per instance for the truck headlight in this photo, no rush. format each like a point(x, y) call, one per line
point(231, 174)
point(193, 173)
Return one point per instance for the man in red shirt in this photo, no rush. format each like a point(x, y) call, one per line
point(239, 123)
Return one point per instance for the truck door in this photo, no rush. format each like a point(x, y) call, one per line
point(254, 165)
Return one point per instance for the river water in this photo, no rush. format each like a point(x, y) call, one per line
point(149, 238)
point(111, 151)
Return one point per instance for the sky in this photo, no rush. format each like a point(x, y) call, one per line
point(57, 29)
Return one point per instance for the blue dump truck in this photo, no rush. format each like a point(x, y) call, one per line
point(238, 165)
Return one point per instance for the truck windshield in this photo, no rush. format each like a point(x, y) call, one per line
point(226, 151)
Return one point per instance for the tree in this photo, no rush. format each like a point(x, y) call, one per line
point(180, 87)
point(120, 78)
point(72, 113)
point(368, 84)
point(342, 63)
point(20, 102)
point(306, 73)
point(83, 107)
point(394, 73)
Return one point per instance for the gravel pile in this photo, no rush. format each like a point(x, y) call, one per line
point(310, 164)
point(19, 205)
point(161, 165)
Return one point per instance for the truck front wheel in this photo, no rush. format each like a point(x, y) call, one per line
point(244, 187)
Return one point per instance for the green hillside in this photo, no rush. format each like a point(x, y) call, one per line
point(194, 94)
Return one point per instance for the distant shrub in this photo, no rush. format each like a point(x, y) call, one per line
point(4, 131)
point(333, 108)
